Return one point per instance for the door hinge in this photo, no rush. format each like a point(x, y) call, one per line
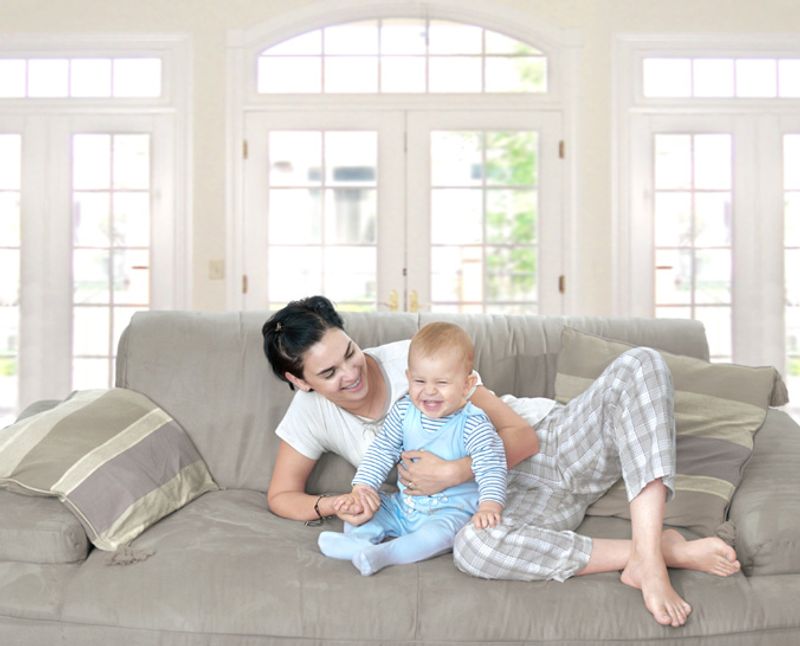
point(244, 149)
point(562, 149)
point(244, 283)
point(562, 284)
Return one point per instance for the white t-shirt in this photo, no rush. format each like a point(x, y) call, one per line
point(313, 425)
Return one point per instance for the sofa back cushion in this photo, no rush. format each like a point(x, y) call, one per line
point(208, 371)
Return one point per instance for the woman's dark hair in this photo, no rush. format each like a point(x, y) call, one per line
point(292, 330)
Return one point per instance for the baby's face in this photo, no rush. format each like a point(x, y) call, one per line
point(438, 385)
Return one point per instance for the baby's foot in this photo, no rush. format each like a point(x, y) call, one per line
point(363, 564)
point(650, 576)
point(711, 555)
point(338, 546)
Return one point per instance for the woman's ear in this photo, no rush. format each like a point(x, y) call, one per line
point(298, 383)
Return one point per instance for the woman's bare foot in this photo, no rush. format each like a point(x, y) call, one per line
point(711, 555)
point(650, 576)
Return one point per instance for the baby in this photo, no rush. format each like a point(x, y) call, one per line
point(434, 416)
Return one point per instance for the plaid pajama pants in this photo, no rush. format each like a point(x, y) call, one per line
point(621, 426)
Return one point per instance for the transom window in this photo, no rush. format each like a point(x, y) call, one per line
point(400, 55)
point(721, 77)
point(80, 78)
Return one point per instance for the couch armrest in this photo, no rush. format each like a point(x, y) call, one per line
point(38, 529)
point(766, 508)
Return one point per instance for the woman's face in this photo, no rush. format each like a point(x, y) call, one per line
point(336, 368)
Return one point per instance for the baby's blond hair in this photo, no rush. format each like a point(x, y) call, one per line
point(440, 336)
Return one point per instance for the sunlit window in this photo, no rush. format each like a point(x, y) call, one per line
point(10, 162)
point(744, 78)
point(80, 78)
point(402, 56)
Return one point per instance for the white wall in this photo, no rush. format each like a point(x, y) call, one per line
point(208, 21)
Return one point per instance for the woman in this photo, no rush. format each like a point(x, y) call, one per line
point(621, 426)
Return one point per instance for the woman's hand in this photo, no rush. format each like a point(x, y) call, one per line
point(424, 474)
point(358, 506)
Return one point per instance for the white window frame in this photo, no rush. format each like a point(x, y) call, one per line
point(49, 373)
point(561, 47)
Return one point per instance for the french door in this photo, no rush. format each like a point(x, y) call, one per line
point(403, 210)
point(716, 221)
point(85, 228)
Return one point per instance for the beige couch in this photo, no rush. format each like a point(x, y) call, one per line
point(227, 571)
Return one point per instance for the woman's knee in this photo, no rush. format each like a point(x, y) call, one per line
point(471, 549)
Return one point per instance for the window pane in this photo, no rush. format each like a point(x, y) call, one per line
point(131, 161)
point(295, 158)
point(667, 77)
point(712, 161)
point(351, 216)
point(403, 74)
point(399, 36)
point(454, 38)
point(713, 276)
point(501, 44)
point(90, 373)
point(352, 38)
point(91, 162)
point(789, 78)
point(511, 216)
point(9, 279)
point(90, 331)
point(91, 276)
point(713, 219)
point(673, 219)
point(132, 276)
point(791, 162)
point(673, 277)
point(457, 274)
point(673, 161)
point(285, 74)
point(756, 78)
point(717, 321)
point(511, 158)
point(451, 74)
point(90, 77)
point(511, 274)
point(295, 215)
point(304, 278)
point(9, 368)
point(132, 219)
point(351, 157)
point(791, 227)
point(516, 74)
point(350, 273)
point(351, 74)
point(9, 218)
point(309, 43)
point(713, 77)
point(456, 158)
point(12, 78)
point(48, 78)
point(10, 161)
point(137, 77)
point(91, 219)
point(456, 216)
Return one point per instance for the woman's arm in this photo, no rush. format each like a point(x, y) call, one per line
point(519, 439)
point(286, 495)
point(429, 474)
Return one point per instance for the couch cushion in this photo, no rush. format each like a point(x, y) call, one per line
point(766, 508)
point(718, 408)
point(35, 529)
point(116, 460)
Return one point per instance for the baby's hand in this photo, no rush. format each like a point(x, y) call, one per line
point(368, 497)
point(489, 514)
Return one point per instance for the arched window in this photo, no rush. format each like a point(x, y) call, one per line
point(410, 162)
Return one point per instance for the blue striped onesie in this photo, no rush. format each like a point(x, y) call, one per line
point(425, 525)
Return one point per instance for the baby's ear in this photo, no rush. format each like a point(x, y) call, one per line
point(472, 382)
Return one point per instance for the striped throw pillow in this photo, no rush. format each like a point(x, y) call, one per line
point(113, 457)
point(718, 409)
